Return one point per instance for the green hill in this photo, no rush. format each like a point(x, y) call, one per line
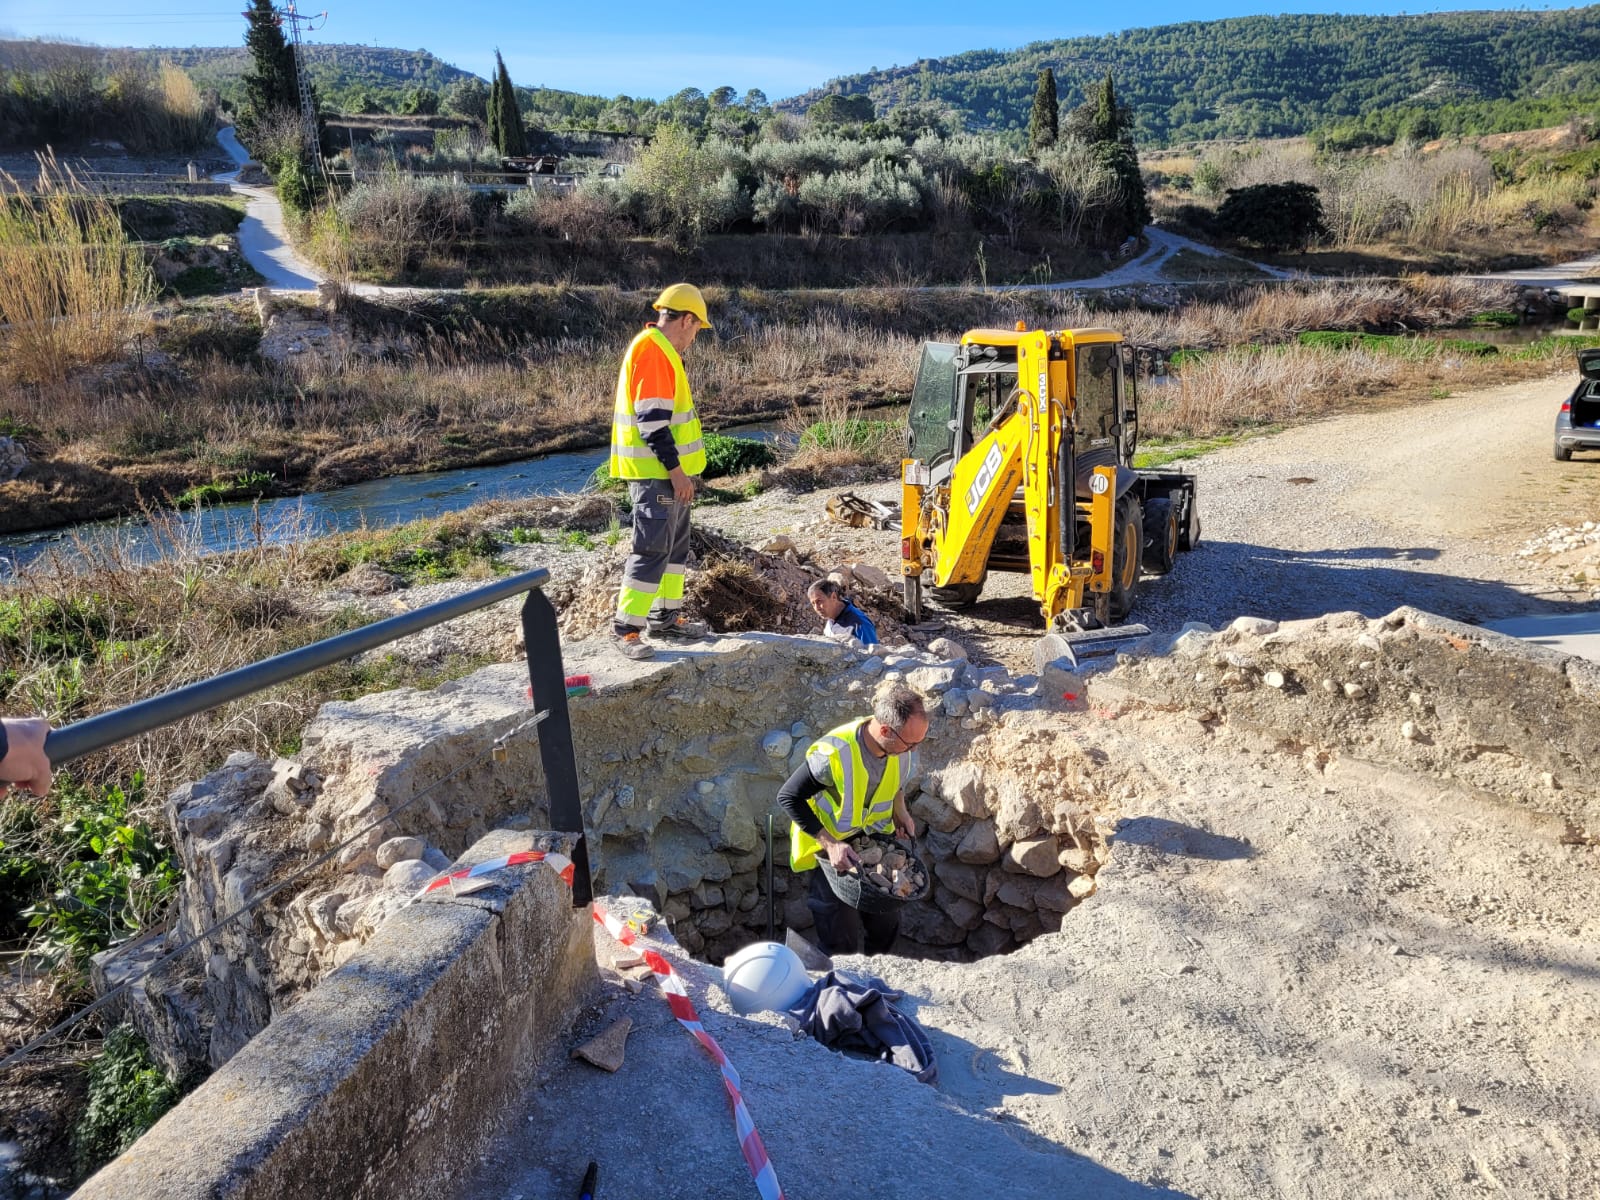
point(339, 72)
point(1259, 76)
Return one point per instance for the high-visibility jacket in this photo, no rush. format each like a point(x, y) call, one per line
point(845, 808)
point(643, 378)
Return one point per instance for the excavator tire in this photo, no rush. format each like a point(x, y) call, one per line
point(1160, 536)
point(1128, 534)
point(958, 595)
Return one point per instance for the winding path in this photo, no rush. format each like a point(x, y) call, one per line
point(262, 237)
point(265, 245)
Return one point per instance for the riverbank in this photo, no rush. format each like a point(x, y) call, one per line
point(290, 397)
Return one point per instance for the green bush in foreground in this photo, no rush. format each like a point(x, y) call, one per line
point(128, 1093)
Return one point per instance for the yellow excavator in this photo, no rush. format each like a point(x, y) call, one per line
point(1019, 457)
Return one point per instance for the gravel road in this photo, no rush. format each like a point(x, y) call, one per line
point(1424, 505)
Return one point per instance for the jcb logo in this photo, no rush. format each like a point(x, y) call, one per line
point(986, 474)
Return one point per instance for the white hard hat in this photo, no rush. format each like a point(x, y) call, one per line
point(765, 976)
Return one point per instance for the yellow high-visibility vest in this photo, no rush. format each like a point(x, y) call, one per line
point(847, 809)
point(631, 456)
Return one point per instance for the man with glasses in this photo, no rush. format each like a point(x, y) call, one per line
point(656, 447)
point(851, 781)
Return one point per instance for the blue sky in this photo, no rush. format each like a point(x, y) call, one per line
point(644, 49)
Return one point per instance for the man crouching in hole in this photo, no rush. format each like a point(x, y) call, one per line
point(852, 780)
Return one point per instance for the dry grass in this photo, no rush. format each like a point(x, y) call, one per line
point(507, 375)
point(1255, 387)
point(104, 632)
point(73, 287)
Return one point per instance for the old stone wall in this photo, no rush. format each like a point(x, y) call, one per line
point(680, 760)
point(387, 1078)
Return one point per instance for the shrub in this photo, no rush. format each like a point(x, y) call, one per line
point(735, 455)
point(1272, 215)
point(400, 219)
point(128, 1093)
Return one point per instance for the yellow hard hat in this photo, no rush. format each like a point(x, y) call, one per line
point(684, 297)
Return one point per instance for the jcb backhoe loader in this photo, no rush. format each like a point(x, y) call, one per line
point(1019, 458)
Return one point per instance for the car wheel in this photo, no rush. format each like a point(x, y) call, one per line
point(1563, 453)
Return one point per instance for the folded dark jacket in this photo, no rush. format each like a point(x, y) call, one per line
point(846, 1013)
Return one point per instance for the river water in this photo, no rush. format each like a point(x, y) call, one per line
point(373, 504)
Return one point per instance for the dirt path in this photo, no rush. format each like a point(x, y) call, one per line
point(1424, 504)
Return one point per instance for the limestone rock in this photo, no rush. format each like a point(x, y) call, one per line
point(868, 575)
point(399, 849)
point(961, 785)
point(1081, 887)
point(12, 459)
point(961, 879)
point(1055, 893)
point(408, 876)
point(777, 743)
point(1253, 626)
point(1058, 683)
point(1032, 856)
point(989, 939)
point(965, 913)
point(935, 680)
point(955, 703)
point(923, 922)
point(947, 649)
point(1017, 891)
point(935, 811)
point(980, 845)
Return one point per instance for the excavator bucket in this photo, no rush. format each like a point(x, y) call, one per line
point(1085, 643)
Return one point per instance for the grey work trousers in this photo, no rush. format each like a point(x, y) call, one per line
point(652, 580)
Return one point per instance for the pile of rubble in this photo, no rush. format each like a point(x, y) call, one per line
point(1571, 553)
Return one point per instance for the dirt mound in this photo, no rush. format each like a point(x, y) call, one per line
point(733, 598)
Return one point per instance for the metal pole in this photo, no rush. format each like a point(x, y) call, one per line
point(543, 640)
point(96, 733)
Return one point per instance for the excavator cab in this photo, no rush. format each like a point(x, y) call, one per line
point(1019, 451)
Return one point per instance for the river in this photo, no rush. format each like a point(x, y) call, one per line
point(373, 504)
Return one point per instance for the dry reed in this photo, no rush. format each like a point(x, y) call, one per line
point(73, 287)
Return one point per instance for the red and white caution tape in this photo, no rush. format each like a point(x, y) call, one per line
point(560, 863)
point(755, 1152)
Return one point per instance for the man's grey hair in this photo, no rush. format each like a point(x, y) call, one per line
point(895, 704)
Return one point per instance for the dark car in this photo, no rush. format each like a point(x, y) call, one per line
point(1578, 422)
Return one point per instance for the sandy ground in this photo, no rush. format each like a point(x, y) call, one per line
point(1353, 983)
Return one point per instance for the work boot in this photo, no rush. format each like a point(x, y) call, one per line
point(678, 628)
point(632, 645)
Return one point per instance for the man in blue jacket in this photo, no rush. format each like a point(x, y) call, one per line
point(840, 618)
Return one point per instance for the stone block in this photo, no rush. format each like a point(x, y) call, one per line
point(980, 846)
point(1032, 856)
point(989, 939)
point(408, 876)
point(1016, 891)
point(965, 913)
point(924, 922)
point(926, 806)
point(399, 849)
point(962, 879)
point(945, 648)
point(935, 680)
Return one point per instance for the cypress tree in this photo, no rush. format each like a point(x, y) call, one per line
point(1042, 124)
point(505, 122)
point(269, 84)
point(492, 113)
point(1106, 123)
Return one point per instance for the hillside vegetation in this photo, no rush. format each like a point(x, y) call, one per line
point(1260, 76)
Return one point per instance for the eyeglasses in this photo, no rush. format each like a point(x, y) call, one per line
point(904, 741)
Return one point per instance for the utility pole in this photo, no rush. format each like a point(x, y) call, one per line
point(296, 21)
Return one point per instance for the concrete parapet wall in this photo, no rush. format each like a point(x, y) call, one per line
point(385, 1078)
